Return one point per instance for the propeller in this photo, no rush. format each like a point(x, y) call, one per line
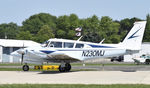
point(22, 54)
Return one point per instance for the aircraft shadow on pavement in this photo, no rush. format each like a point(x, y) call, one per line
point(54, 72)
point(128, 70)
point(57, 72)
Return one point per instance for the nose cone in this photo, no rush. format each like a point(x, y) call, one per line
point(15, 53)
point(18, 52)
point(21, 51)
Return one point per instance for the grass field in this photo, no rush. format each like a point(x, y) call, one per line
point(13, 64)
point(73, 86)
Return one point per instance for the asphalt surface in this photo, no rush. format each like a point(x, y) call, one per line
point(116, 68)
point(76, 77)
point(103, 68)
point(106, 74)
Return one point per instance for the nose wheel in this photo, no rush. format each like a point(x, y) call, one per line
point(25, 68)
point(65, 67)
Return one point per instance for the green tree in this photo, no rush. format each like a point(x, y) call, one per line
point(147, 30)
point(10, 30)
point(40, 27)
point(44, 34)
point(66, 26)
point(63, 23)
point(71, 34)
point(24, 35)
point(61, 34)
point(126, 25)
point(35, 22)
point(74, 21)
point(110, 28)
point(91, 29)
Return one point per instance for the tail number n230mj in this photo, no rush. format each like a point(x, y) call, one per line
point(93, 53)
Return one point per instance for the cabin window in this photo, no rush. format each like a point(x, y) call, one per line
point(68, 45)
point(56, 44)
point(78, 45)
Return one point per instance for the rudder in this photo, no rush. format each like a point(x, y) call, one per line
point(134, 38)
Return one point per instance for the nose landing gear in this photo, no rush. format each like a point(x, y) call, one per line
point(25, 67)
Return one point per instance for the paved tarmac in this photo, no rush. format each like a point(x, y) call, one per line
point(78, 77)
point(103, 68)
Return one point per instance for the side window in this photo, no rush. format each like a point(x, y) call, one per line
point(78, 45)
point(68, 45)
point(56, 44)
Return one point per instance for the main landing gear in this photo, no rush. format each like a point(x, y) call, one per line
point(25, 67)
point(65, 67)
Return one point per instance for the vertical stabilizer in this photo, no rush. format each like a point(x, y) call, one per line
point(134, 38)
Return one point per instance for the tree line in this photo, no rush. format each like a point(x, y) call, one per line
point(43, 26)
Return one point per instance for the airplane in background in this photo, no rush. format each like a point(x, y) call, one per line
point(67, 51)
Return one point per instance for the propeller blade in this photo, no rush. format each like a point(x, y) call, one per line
point(23, 45)
point(22, 54)
point(22, 58)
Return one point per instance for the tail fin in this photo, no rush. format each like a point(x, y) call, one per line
point(134, 38)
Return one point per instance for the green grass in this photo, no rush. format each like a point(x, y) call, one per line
point(73, 86)
point(16, 69)
point(13, 64)
point(10, 64)
point(10, 69)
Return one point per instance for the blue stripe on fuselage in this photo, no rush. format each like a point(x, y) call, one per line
point(100, 46)
point(47, 52)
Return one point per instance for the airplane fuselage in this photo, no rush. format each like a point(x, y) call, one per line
point(88, 51)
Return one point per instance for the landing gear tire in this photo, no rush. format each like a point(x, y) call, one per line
point(147, 61)
point(67, 68)
point(25, 68)
point(61, 69)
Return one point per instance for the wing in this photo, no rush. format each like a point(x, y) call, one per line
point(61, 57)
point(33, 56)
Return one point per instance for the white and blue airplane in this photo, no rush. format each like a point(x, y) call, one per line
point(66, 51)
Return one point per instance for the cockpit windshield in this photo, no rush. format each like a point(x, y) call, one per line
point(45, 44)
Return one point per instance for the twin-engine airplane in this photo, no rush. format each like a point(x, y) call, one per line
point(66, 51)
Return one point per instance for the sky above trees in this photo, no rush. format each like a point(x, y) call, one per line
point(18, 11)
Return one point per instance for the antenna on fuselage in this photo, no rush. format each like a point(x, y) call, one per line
point(79, 38)
point(102, 41)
